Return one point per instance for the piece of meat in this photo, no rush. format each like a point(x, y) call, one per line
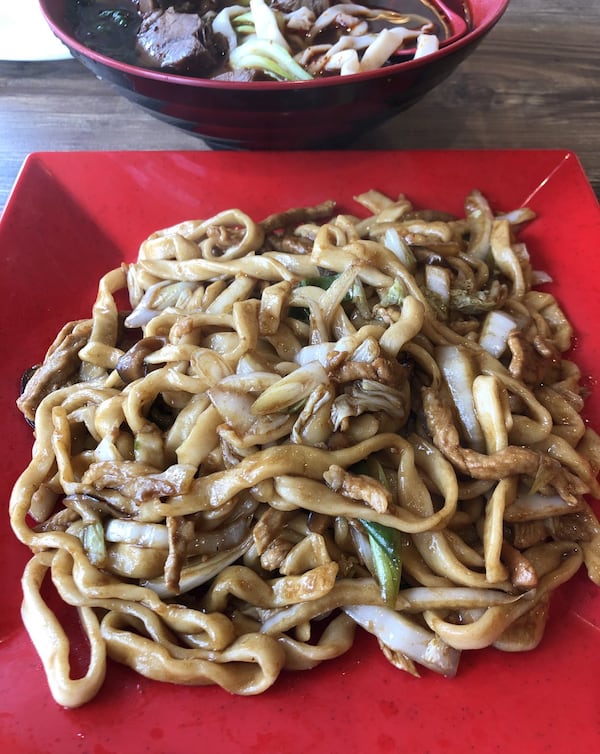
point(180, 42)
point(274, 555)
point(268, 527)
point(290, 244)
point(385, 371)
point(139, 481)
point(528, 533)
point(531, 361)
point(359, 487)
point(243, 75)
point(181, 530)
point(60, 367)
point(522, 573)
point(297, 215)
point(131, 365)
point(512, 460)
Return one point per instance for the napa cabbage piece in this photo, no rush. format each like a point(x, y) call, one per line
point(399, 633)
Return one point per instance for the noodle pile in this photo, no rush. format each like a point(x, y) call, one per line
point(297, 426)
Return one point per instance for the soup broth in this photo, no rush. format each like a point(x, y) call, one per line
point(198, 38)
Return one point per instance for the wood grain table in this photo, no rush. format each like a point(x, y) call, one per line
point(533, 83)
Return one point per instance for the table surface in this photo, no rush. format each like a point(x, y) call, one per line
point(533, 83)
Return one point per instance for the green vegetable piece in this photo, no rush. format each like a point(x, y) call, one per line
point(118, 17)
point(323, 281)
point(371, 467)
point(394, 295)
point(386, 544)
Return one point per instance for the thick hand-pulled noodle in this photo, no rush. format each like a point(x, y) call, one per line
point(301, 425)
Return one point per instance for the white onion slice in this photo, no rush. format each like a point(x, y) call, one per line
point(496, 328)
point(459, 374)
point(403, 635)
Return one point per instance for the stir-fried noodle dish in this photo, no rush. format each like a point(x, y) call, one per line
point(271, 432)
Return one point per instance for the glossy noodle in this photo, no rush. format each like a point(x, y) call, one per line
point(270, 433)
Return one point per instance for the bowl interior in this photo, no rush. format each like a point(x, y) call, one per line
point(481, 16)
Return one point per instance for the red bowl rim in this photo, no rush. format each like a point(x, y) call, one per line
point(147, 73)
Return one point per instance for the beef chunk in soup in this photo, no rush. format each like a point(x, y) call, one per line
point(180, 43)
point(243, 75)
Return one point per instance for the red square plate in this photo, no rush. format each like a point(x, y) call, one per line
point(72, 217)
